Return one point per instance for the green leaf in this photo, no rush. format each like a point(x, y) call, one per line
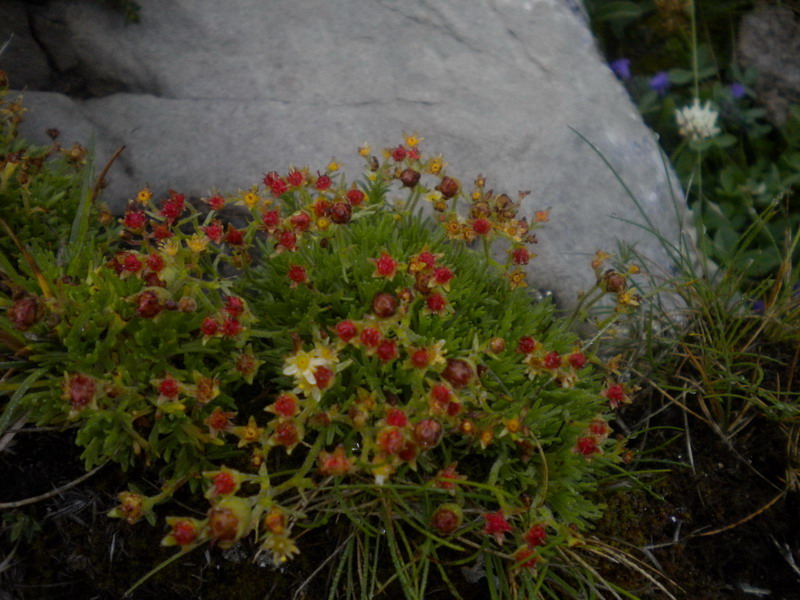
point(619, 10)
point(724, 141)
point(680, 76)
point(11, 412)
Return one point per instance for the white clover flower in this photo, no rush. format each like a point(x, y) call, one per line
point(697, 123)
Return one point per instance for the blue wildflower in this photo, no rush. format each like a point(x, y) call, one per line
point(659, 83)
point(737, 90)
point(758, 307)
point(622, 68)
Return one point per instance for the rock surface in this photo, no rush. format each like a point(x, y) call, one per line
point(209, 94)
point(769, 40)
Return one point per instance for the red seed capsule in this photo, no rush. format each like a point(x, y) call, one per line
point(384, 305)
point(458, 372)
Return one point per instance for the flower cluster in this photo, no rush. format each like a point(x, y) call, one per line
point(349, 353)
point(697, 123)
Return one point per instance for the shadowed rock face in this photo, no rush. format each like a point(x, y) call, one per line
point(213, 94)
point(769, 40)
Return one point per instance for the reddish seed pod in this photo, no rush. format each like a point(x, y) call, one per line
point(497, 345)
point(341, 212)
point(458, 372)
point(184, 532)
point(448, 187)
point(384, 305)
point(24, 312)
point(409, 178)
point(147, 304)
point(80, 389)
point(614, 282)
point(447, 518)
point(427, 433)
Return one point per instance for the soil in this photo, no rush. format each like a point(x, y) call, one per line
point(719, 526)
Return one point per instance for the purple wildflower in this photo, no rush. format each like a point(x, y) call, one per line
point(622, 68)
point(758, 306)
point(737, 90)
point(659, 83)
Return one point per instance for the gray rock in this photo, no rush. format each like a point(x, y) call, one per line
point(217, 93)
point(24, 61)
point(769, 40)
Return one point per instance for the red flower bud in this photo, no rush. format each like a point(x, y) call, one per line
point(224, 483)
point(184, 532)
point(286, 434)
point(209, 326)
point(324, 376)
point(481, 226)
point(396, 417)
point(436, 302)
point(355, 197)
point(390, 440)
point(285, 405)
point(370, 337)
point(346, 330)
point(387, 350)
point(552, 360)
point(300, 222)
point(399, 153)
point(169, 388)
point(526, 345)
point(577, 360)
point(323, 183)
point(335, 463)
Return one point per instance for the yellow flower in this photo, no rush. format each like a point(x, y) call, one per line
point(281, 546)
point(627, 298)
point(364, 150)
point(435, 165)
point(251, 199)
point(436, 353)
point(372, 176)
point(197, 243)
point(169, 247)
point(517, 279)
point(323, 223)
point(144, 195)
point(249, 433)
point(599, 258)
point(412, 139)
point(334, 166)
point(453, 229)
point(326, 353)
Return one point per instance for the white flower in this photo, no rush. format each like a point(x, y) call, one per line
point(302, 365)
point(697, 123)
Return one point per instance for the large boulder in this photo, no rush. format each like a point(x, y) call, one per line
point(769, 41)
point(208, 94)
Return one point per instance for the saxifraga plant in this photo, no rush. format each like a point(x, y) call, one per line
point(360, 365)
